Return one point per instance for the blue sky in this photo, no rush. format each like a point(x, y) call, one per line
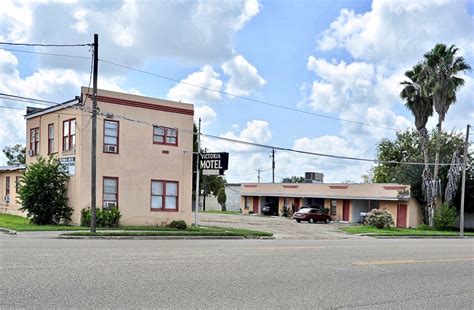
point(343, 59)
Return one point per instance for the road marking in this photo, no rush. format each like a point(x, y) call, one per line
point(412, 261)
point(290, 248)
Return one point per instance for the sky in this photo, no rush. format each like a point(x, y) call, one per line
point(339, 59)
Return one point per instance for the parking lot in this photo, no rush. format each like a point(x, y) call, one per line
point(282, 228)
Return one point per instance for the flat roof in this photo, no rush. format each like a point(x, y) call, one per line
point(12, 168)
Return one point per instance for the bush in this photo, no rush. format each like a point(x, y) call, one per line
point(445, 217)
point(104, 217)
point(181, 225)
point(221, 198)
point(424, 227)
point(42, 192)
point(379, 218)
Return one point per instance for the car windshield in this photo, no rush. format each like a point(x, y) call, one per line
point(305, 210)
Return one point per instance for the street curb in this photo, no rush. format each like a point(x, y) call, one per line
point(7, 231)
point(421, 237)
point(160, 237)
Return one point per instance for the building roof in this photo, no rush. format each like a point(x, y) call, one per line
point(34, 112)
point(12, 168)
point(375, 191)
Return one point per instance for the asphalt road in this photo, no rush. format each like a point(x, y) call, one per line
point(37, 271)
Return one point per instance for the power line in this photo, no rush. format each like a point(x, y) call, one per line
point(243, 97)
point(46, 54)
point(45, 45)
point(28, 99)
point(112, 115)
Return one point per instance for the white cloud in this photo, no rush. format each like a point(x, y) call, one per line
point(399, 32)
point(206, 77)
point(244, 78)
point(205, 113)
point(81, 24)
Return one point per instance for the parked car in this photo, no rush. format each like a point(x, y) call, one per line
point(311, 215)
point(270, 208)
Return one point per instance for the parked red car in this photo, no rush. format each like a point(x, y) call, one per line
point(311, 215)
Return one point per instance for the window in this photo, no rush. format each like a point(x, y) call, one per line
point(50, 138)
point(164, 195)
point(164, 135)
point(34, 141)
point(17, 183)
point(69, 135)
point(333, 207)
point(111, 136)
point(110, 192)
point(247, 203)
point(7, 186)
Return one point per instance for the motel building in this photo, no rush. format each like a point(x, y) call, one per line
point(345, 201)
point(144, 170)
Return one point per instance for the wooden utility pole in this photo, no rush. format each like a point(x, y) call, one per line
point(273, 165)
point(196, 206)
point(258, 177)
point(463, 184)
point(94, 136)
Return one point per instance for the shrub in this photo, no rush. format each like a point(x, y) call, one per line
point(379, 218)
point(445, 217)
point(424, 227)
point(181, 225)
point(42, 192)
point(104, 217)
point(325, 211)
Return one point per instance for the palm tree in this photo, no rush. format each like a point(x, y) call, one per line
point(422, 108)
point(441, 83)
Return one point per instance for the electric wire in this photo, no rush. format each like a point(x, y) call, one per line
point(45, 45)
point(44, 53)
point(243, 97)
point(27, 99)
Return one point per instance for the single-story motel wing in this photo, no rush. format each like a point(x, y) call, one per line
point(345, 201)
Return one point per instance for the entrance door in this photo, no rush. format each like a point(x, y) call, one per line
point(297, 203)
point(255, 205)
point(402, 215)
point(345, 210)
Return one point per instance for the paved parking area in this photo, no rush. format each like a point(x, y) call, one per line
point(282, 228)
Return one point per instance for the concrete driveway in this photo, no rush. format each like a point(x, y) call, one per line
point(282, 228)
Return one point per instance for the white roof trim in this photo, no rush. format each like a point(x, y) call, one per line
point(58, 107)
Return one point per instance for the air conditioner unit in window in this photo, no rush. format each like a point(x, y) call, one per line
point(6, 198)
point(110, 204)
point(111, 148)
point(31, 152)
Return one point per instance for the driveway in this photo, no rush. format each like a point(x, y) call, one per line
point(282, 228)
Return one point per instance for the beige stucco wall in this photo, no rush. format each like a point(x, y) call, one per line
point(414, 214)
point(13, 205)
point(138, 162)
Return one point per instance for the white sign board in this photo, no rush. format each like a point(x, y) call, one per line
point(69, 164)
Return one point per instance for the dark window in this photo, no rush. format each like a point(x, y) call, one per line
point(164, 195)
point(50, 138)
point(69, 135)
point(333, 207)
point(17, 183)
point(7, 186)
point(164, 135)
point(111, 136)
point(110, 192)
point(34, 141)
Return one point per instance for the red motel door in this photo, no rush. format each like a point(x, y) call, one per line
point(402, 215)
point(297, 203)
point(255, 205)
point(345, 210)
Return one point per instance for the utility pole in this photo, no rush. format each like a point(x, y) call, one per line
point(258, 170)
point(273, 165)
point(463, 185)
point(204, 187)
point(196, 206)
point(94, 136)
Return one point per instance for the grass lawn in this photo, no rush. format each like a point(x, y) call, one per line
point(159, 231)
point(372, 231)
point(19, 223)
point(221, 212)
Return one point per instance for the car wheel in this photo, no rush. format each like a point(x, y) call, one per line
point(312, 221)
point(298, 221)
point(327, 221)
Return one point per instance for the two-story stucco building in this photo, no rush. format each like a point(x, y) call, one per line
point(144, 170)
point(345, 201)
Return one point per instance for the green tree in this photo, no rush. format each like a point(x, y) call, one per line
point(405, 148)
point(42, 192)
point(440, 68)
point(221, 198)
point(15, 154)
point(293, 179)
